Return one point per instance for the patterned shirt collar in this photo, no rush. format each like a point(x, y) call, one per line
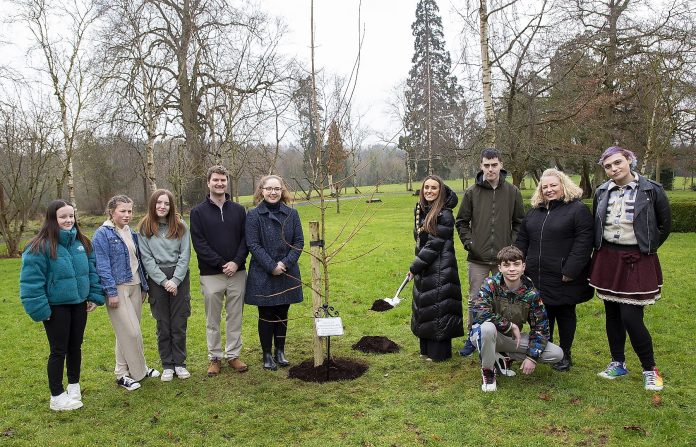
point(633, 184)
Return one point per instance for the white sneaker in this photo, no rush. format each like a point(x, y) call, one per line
point(128, 383)
point(63, 402)
point(74, 391)
point(182, 372)
point(152, 372)
point(488, 383)
point(167, 375)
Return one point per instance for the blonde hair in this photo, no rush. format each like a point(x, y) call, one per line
point(571, 191)
point(284, 196)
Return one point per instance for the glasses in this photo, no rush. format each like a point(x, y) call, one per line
point(272, 189)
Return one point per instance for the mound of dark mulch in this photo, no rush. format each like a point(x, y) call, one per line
point(339, 369)
point(376, 344)
point(381, 305)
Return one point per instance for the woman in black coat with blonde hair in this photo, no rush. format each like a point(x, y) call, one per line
point(556, 238)
point(437, 295)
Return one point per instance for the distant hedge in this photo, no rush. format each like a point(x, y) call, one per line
point(683, 215)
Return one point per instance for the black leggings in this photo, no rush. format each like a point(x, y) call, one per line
point(65, 331)
point(273, 326)
point(628, 318)
point(567, 321)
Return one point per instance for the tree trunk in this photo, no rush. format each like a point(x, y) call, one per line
point(317, 260)
point(489, 114)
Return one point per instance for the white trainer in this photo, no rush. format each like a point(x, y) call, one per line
point(182, 372)
point(74, 391)
point(488, 383)
point(63, 402)
point(152, 372)
point(167, 375)
point(128, 383)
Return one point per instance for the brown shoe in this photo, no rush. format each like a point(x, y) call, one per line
point(238, 365)
point(214, 367)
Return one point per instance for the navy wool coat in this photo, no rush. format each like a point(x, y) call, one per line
point(556, 239)
point(273, 237)
point(437, 295)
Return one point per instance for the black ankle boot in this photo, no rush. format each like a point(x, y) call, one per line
point(565, 363)
point(280, 358)
point(268, 362)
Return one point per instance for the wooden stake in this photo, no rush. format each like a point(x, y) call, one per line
point(315, 251)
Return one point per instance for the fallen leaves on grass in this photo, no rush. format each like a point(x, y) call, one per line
point(657, 400)
point(575, 400)
point(544, 396)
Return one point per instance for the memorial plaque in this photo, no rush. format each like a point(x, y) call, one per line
point(329, 327)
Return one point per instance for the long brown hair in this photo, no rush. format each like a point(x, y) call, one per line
point(430, 222)
point(49, 233)
point(149, 225)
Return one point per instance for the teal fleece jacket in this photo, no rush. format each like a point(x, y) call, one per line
point(70, 278)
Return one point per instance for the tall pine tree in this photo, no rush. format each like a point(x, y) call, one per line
point(433, 97)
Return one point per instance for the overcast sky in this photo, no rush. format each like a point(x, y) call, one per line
point(386, 52)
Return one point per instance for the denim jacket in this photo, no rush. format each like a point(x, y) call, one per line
point(113, 263)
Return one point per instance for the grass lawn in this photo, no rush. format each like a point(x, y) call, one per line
point(400, 401)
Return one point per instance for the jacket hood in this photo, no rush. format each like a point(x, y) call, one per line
point(451, 198)
point(484, 184)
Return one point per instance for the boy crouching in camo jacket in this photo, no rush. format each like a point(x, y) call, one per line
point(505, 302)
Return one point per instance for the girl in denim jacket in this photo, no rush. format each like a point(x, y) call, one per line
point(122, 277)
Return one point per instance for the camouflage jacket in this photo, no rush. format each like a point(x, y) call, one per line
point(502, 307)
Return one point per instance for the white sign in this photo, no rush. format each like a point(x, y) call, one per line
point(328, 327)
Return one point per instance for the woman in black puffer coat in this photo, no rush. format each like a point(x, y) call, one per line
point(437, 295)
point(556, 238)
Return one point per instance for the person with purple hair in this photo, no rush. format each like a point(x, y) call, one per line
point(632, 220)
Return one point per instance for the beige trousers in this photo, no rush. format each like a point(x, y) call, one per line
point(218, 290)
point(125, 319)
point(477, 274)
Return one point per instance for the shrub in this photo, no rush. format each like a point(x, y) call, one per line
point(683, 217)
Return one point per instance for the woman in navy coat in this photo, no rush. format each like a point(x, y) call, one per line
point(275, 241)
point(556, 238)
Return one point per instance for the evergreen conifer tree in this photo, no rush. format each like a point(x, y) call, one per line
point(433, 97)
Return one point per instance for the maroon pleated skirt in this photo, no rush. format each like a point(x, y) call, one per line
point(625, 275)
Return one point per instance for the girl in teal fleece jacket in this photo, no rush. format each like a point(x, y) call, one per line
point(58, 285)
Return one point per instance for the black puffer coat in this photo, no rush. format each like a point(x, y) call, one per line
point(557, 240)
point(437, 294)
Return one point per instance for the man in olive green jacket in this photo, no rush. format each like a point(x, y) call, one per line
point(488, 219)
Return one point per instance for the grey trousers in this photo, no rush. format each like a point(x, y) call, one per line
point(492, 341)
point(171, 313)
point(218, 290)
point(477, 274)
